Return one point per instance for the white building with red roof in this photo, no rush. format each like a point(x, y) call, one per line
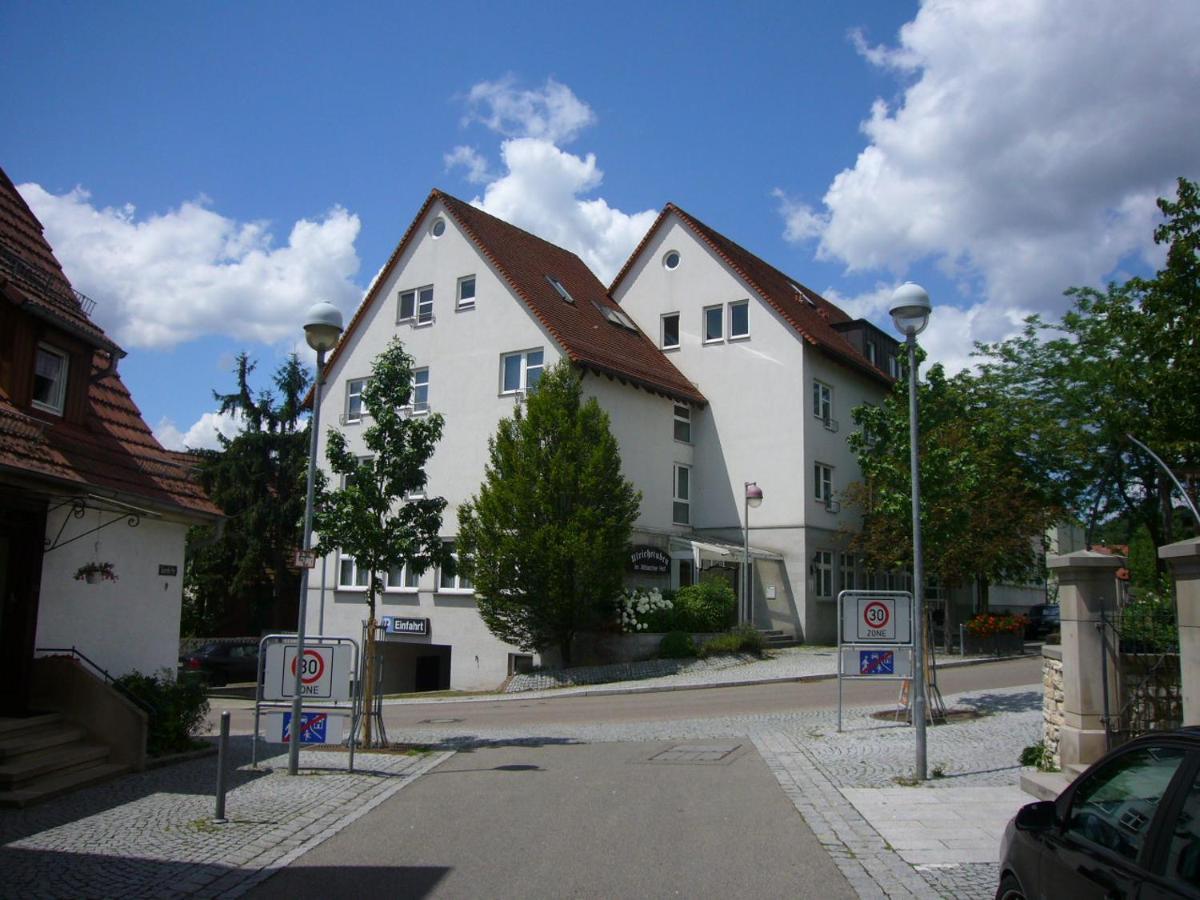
point(83, 483)
point(715, 368)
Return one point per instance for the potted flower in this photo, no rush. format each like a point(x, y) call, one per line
point(95, 571)
point(998, 633)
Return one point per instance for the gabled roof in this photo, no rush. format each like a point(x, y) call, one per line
point(31, 274)
point(586, 333)
point(811, 315)
point(112, 449)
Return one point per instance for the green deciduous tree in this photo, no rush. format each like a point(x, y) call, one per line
point(377, 515)
point(239, 573)
point(546, 538)
point(984, 504)
point(1122, 361)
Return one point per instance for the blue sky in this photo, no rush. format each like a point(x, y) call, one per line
point(207, 171)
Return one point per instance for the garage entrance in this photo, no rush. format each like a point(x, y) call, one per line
point(410, 667)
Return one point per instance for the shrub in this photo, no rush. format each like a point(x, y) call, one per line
point(707, 606)
point(988, 624)
point(676, 645)
point(176, 709)
point(1148, 625)
point(644, 610)
point(1039, 756)
point(742, 639)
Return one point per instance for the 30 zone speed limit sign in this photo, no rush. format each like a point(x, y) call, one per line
point(876, 618)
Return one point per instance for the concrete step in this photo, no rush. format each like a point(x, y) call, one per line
point(16, 772)
point(10, 726)
point(38, 740)
point(1045, 785)
point(58, 783)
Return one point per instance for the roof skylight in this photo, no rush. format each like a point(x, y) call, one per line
point(558, 286)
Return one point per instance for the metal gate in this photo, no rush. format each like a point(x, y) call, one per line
point(1143, 636)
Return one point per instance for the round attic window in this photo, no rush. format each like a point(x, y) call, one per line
point(671, 259)
point(439, 228)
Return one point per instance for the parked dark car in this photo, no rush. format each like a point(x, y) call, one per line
point(222, 662)
point(1127, 827)
point(1043, 620)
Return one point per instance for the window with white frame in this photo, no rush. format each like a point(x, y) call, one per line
point(466, 292)
point(520, 371)
point(846, 570)
point(823, 482)
point(416, 305)
point(400, 578)
point(348, 480)
point(681, 509)
point(893, 365)
point(420, 390)
point(823, 573)
point(457, 582)
point(49, 379)
point(872, 353)
point(683, 423)
point(670, 331)
point(822, 400)
point(739, 319)
point(714, 322)
point(350, 576)
point(354, 407)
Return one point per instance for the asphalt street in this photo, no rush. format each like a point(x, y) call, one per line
point(578, 820)
point(480, 715)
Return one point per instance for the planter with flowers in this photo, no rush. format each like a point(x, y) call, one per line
point(998, 634)
point(95, 572)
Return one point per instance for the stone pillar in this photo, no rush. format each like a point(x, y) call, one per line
point(1087, 587)
point(1184, 559)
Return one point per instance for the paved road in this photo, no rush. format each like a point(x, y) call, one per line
point(580, 820)
point(718, 702)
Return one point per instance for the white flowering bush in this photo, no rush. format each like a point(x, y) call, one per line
point(638, 606)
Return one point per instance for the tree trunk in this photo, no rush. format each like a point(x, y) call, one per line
point(982, 584)
point(368, 686)
point(564, 648)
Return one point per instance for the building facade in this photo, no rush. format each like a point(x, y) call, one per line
point(715, 368)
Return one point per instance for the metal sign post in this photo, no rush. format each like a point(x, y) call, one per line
point(875, 637)
point(324, 675)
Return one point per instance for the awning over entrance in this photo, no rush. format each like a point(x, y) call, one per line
point(716, 550)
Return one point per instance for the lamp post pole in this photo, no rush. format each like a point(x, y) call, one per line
point(321, 331)
point(910, 312)
point(752, 496)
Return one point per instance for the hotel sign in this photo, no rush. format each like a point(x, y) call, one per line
point(649, 559)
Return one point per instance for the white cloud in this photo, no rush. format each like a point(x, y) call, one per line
point(165, 279)
point(1025, 154)
point(203, 433)
point(552, 113)
point(470, 159)
point(542, 191)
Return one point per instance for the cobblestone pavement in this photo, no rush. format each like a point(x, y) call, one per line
point(151, 835)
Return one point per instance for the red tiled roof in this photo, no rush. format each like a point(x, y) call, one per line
point(30, 273)
point(810, 314)
point(113, 449)
point(523, 260)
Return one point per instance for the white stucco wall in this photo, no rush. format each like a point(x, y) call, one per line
point(126, 625)
point(760, 424)
point(462, 349)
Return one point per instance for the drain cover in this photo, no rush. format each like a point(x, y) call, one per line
point(438, 721)
point(695, 753)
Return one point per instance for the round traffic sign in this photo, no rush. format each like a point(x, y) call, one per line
point(314, 667)
point(876, 614)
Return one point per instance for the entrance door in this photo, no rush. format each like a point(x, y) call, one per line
point(21, 535)
point(429, 673)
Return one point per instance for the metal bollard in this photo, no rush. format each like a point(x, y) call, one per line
point(222, 744)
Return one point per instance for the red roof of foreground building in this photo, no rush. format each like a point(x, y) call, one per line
point(112, 450)
point(811, 315)
point(589, 330)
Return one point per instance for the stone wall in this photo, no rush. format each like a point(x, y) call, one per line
point(1052, 700)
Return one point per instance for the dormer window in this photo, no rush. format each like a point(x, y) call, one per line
point(50, 379)
point(558, 286)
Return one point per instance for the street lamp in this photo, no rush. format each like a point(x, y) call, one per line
point(910, 313)
point(322, 328)
point(753, 498)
